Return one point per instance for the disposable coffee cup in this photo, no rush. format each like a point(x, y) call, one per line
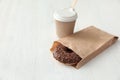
point(65, 21)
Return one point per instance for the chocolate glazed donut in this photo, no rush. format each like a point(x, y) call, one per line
point(66, 55)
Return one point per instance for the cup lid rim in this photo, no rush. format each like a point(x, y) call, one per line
point(58, 17)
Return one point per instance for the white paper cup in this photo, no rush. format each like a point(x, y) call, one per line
point(65, 21)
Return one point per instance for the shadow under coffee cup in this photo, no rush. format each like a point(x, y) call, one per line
point(65, 21)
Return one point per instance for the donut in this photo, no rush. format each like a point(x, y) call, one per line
point(66, 55)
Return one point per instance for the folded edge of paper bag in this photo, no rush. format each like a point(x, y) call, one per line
point(87, 43)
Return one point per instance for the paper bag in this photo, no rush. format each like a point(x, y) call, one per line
point(87, 43)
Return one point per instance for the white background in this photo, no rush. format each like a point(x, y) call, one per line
point(27, 32)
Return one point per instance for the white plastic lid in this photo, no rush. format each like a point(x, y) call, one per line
point(65, 15)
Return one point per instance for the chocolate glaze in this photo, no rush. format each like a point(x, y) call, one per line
point(66, 55)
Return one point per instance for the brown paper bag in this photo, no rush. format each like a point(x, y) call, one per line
point(87, 43)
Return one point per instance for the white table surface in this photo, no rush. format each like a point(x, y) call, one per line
point(27, 32)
